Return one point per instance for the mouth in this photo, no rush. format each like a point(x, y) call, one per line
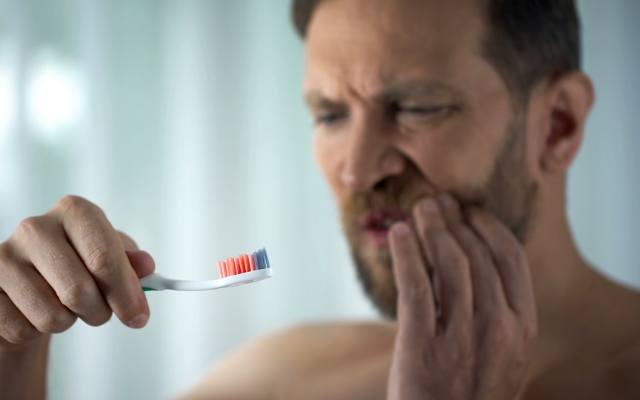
point(376, 224)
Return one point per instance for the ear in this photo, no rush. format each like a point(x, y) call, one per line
point(568, 103)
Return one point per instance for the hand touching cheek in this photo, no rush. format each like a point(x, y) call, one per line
point(466, 311)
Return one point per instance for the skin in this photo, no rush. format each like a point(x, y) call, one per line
point(67, 264)
point(487, 306)
point(522, 316)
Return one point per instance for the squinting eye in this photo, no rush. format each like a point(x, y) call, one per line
point(424, 111)
point(328, 118)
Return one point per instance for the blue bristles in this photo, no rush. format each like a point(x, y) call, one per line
point(261, 259)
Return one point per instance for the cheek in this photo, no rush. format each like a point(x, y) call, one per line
point(328, 157)
point(536, 125)
point(459, 157)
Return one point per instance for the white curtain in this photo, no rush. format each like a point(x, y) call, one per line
point(184, 121)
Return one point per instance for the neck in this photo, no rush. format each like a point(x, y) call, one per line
point(558, 272)
point(577, 307)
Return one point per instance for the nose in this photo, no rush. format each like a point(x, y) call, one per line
point(370, 157)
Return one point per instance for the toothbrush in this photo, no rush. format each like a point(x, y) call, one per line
point(236, 271)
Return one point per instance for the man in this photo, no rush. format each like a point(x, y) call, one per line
point(445, 130)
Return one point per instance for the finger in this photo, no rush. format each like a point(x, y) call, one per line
point(511, 262)
point(127, 241)
point(416, 307)
point(35, 299)
point(488, 293)
point(450, 265)
point(47, 248)
point(102, 251)
point(14, 327)
point(142, 262)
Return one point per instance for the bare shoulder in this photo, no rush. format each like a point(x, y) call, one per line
point(614, 368)
point(622, 375)
point(274, 361)
point(622, 369)
point(619, 374)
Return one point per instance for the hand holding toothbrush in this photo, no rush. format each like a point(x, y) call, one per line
point(67, 264)
point(71, 263)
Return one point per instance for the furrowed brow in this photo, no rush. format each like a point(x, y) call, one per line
point(417, 88)
point(315, 99)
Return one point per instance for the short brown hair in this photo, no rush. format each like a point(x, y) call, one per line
point(528, 40)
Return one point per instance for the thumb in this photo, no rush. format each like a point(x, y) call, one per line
point(141, 261)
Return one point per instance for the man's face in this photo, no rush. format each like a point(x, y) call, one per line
point(406, 106)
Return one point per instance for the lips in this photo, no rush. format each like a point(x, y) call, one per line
point(376, 224)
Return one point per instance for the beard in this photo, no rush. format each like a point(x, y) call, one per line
point(509, 193)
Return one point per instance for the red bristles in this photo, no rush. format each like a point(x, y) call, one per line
point(245, 261)
point(234, 266)
point(245, 264)
point(237, 265)
point(229, 266)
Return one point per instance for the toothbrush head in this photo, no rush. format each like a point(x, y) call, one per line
point(243, 263)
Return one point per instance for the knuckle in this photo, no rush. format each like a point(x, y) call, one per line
point(76, 295)
point(515, 256)
point(21, 333)
point(32, 228)
point(70, 202)
point(456, 259)
point(101, 262)
point(501, 333)
point(29, 227)
point(415, 292)
point(74, 205)
point(56, 321)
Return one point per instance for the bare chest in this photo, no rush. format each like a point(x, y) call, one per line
point(363, 379)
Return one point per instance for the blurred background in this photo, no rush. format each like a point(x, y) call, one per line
point(184, 121)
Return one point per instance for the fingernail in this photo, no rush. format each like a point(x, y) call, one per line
point(138, 322)
point(401, 229)
point(429, 205)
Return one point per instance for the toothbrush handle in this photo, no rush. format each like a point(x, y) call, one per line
point(152, 282)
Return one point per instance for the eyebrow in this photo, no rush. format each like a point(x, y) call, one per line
point(393, 92)
point(316, 99)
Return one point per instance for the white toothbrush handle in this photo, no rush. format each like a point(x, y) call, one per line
point(156, 281)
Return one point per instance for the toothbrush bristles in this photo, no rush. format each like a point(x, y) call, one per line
point(243, 263)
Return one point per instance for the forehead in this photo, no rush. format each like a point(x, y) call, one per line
point(371, 43)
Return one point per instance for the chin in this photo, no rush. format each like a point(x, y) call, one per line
point(373, 265)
